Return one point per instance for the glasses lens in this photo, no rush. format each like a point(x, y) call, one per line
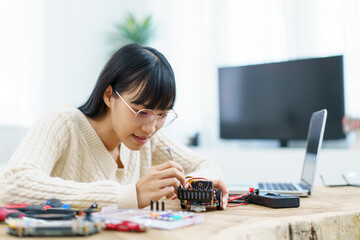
point(169, 118)
point(146, 116)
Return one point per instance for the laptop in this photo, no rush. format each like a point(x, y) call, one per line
point(304, 187)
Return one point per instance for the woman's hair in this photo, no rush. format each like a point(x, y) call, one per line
point(134, 67)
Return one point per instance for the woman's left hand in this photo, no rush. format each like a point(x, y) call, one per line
point(220, 184)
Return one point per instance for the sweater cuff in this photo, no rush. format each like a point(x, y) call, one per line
point(127, 196)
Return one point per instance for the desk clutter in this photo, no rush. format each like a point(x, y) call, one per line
point(53, 218)
point(160, 219)
point(57, 219)
point(267, 199)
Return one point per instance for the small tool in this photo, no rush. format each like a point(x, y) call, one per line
point(170, 152)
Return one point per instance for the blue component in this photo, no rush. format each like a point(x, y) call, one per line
point(176, 217)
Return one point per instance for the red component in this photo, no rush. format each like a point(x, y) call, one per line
point(46, 207)
point(251, 190)
point(25, 206)
point(5, 212)
point(16, 205)
point(126, 226)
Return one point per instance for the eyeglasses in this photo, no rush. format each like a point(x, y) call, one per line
point(146, 116)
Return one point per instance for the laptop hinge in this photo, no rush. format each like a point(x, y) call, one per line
point(308, 185)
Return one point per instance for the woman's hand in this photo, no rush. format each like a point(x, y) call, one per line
point(220, 184)
point(159, 181)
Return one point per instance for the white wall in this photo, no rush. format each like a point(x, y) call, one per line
point(77, 45)
point(21, 61)
point(283, 165)
point(52, 52)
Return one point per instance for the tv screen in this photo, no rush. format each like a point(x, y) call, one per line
point(276, 100)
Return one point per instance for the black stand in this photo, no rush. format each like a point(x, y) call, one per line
point(283, 143)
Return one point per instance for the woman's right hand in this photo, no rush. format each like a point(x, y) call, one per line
point(159, 181)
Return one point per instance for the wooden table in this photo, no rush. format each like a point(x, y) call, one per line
point(330, 213)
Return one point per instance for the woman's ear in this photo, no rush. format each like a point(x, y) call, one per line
point(108, 97)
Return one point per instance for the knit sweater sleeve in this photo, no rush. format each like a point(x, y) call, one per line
point(194, 165)
point(28, 174)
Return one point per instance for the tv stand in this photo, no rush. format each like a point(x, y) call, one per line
point(284, 143)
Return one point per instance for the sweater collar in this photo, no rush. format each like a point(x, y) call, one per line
point(98, 149)
point(125, 154)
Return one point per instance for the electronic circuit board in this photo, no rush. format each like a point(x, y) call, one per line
point(199, 195)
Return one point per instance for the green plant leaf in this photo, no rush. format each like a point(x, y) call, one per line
point(133, 31)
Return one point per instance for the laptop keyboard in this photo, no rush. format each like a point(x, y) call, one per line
point(304, 186)
point(278, 186)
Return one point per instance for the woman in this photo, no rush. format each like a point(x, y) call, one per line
point(109, 150)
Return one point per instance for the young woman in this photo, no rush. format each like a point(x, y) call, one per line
point(109, 150)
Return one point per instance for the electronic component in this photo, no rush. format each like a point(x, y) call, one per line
point(46, 220)
point(38, 227)
point(157, 205)
point(18, 210)
point(168, 220)
point(4, 213)
point(56, 203)
point(199, 195)
point(274, 200)
point(125, 226)
point(241, 199)
point(52, 214)
point(23, 207)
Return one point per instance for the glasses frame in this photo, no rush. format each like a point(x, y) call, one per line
point(157, 116)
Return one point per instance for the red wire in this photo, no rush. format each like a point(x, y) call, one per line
point(237, 205)
point(240, 196)
point(237, 197)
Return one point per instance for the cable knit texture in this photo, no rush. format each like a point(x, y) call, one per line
point(63, 157)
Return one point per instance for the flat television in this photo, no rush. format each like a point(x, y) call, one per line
point(276, 100)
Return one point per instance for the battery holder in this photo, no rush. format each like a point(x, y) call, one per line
point(274, 200)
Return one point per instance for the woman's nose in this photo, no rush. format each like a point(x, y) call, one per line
point(150, 127)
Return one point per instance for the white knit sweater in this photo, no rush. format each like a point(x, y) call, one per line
point(63, 157)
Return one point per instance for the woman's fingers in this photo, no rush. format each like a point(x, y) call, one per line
point(169, 164)
point(170, 173)
point(160, 181)
point(220, 184)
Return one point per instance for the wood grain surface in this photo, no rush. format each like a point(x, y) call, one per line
point(330, 213)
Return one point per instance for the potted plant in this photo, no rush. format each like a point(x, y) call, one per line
point(132, 30)
point(351, 124)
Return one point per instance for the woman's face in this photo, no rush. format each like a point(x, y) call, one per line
point(125, 126)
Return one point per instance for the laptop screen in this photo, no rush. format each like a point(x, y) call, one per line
point(314, 141)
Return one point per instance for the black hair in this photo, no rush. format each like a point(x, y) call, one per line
point(134, 67)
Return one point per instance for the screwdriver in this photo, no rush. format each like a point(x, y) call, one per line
point(170, 152)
